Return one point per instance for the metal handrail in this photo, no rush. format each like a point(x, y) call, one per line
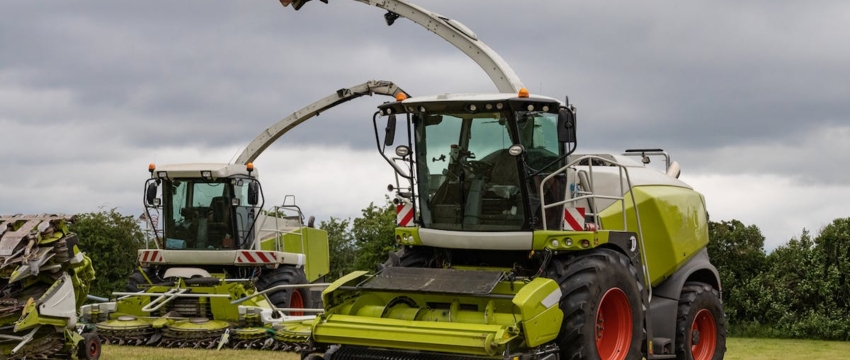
point(276, 288)
point(174, 295)
point(277, 231)
point(592, 196)
point(306, 310)
point(163, 299)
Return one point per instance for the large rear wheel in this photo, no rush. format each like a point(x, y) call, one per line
point(297, 298)
point(700, 324)
point(601, 300)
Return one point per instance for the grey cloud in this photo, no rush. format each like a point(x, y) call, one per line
point(704, 80)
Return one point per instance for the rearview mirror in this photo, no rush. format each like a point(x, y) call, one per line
point(150, 194)
point(389, 134)
point(253, 193)
point(566, 126)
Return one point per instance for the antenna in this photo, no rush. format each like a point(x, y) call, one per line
point(234, 155)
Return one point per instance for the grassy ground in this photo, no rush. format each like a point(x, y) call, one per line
point(737, 349)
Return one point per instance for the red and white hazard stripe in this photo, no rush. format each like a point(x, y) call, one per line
point(404, 214)
point(574, 219)
point(256, 257)
point(150, 256)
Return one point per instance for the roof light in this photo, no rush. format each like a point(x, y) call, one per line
point(499, 106)
point(162, 174)
point(545, 108)
point(400, 96)
point(523, 93)
point(250, 167)
point(421, 109)
point(530, 107)
point(488, 106)
point(151, 167)
point(472, 108)
point(389, 111)
point(206, 174)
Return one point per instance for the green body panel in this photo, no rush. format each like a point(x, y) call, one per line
point(514, 313)
point(220, 307)
point(674, 223)
point(538, 305)
point(311, 242)
point(568, 240)
point(407, 236)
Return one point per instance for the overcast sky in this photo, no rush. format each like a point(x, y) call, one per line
point(752, 98)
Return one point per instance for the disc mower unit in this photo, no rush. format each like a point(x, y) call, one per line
point(43, 278)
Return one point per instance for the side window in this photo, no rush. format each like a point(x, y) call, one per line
point(178, 200)
point(439, 141)
point(538, 133)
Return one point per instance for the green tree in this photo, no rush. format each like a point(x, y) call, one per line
point(111, 240)
point(342, 247)
point(374, 234)
point(737, 250)
point(833, 243)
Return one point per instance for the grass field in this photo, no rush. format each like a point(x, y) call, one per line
point(738, 349)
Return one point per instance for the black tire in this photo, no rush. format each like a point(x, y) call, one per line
point(414, 257)
point(89, 348)
point(587, 280)
point(408, 257)
point(700, 310)
point(286, 298)
point(137, 278)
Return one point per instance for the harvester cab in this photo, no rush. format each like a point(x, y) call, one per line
point(478, 157)
point(205, 206)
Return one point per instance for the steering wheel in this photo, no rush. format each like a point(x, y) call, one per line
point(479, 167)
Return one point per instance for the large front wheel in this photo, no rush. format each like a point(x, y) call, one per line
point(603, 313)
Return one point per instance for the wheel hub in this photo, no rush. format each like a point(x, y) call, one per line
point(703, 336)
point(613, 328)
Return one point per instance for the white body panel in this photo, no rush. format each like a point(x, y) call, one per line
point(471, 97)
point(62, 303)
point(219, 257)
point(218, 170)
point(476, 240)
point(606, 180)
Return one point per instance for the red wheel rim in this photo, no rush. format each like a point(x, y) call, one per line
point(297, 302)
point(703, 336)
point(613, 326)
point(94, 349)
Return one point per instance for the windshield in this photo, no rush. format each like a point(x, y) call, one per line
point(200, 214)
point(467, 178)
